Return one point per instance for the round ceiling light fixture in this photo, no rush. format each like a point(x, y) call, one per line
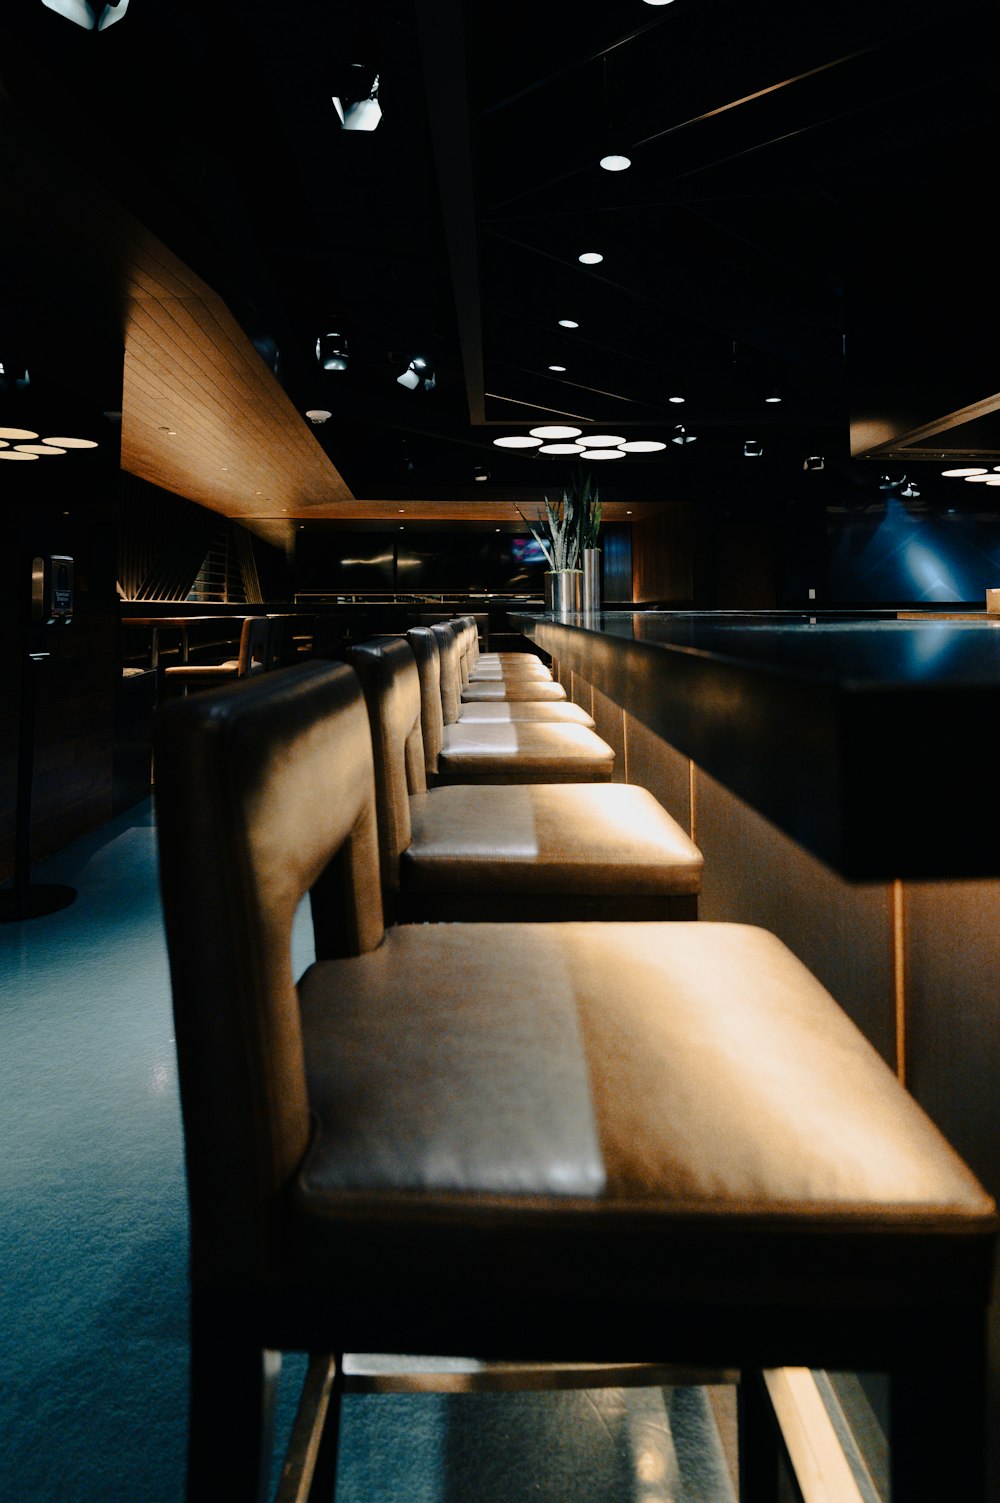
point(963, 474)
point(602, 440)
point(993, 480)
point(574, 449)
point(591, 258)
point(616, 162)
point(642, 446)
point(17, 433)
point(676, 400)
point(602, 454)
point(568, 323)
point(517, 441)
point(557, 367)
point(555, 430)
point(71, 443)
point(982, 477)
point(318, 414)
point(13, 454)
point(38, 449)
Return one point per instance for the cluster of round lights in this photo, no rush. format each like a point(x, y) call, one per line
point(555, 438)
point(976, 474)
point(22, 444)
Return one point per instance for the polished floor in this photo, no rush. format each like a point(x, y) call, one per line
point(93, 1325)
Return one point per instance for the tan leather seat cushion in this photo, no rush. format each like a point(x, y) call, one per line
point(229, 668)
point(529, 668)
point(689, 1075)
point(512, 688)
point(525, 752)
point(502, 712)
point(580, 837)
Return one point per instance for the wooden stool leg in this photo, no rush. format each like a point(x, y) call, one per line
point(759, 1442)
point(937, 1415)
point(231, 1420)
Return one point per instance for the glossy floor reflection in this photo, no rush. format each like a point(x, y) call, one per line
point(93, 1249)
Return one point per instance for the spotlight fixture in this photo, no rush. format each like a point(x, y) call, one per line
point(90, 17)
point(479, 474)
point(591, 258)
point(753, 449)
point(358, 106)
point(318, 415)
point(814, 462)
point(331, 351)
point(773, 396)
point(615, 162)
point(910, 489)
point(554, 430)
point(418, 373)
point(682, 436)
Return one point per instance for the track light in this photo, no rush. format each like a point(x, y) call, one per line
point(814, 462)
point(331, 351)
point(418, 373)
point(753, 449)
point(358, 106)
point(682, 436)
point(88, 15)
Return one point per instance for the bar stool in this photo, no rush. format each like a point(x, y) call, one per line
point(251, 658)
point(497, 689)
point(527, 853)
point(524, 1141)
point(479, 662)
point(427, 652)
point(528, 751)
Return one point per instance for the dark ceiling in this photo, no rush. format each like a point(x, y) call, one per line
point(802, 214)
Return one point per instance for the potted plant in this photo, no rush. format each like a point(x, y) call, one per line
point(590, 553)
point(569, 527)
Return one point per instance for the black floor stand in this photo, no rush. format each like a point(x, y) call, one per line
point(25, 899)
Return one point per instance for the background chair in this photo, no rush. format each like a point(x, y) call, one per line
point(251, 658)
point(523, 1140)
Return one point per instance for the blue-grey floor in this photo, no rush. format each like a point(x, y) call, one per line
point(93, 1318)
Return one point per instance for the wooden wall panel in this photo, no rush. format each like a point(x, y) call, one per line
point(663, 557)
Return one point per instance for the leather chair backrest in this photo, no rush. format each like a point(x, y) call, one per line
point(264, 791)
point(427, 653)
point(450, 649)
point(471, 639)
point(254, 639)
point(388, 673)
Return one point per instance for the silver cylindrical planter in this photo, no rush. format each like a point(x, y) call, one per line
point(564, 592)
point(591, 579)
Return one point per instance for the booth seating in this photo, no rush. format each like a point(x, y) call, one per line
point(523, 751)
point(251, 658)
point(659, 1141)
point(529, 853)
point(518, 687)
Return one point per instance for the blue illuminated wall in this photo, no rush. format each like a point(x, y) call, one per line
point(894, 552)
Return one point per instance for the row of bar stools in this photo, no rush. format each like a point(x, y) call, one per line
point(524, 1141)
point(450, 640)
point(426, 646)
point(529, 852)
point(481, 664)
point(526, 751)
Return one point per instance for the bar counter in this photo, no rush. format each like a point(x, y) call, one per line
point(871, 741)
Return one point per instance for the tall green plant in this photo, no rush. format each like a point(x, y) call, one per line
point(589, 515)
point(571, 524)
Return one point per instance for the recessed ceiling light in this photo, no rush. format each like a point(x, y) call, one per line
point(13, 454)
point(557, 367)
point(628, 513)
point(561, 449)
point(753, 449)
point(969, 470)
point(615, 162)
point(658, 2)
point(39, 449)
point(554, 430)
point(773, 396)
point(591, 258)
point(601, 440)
point(17, 433)
point(73, 443)
point(517, 441)
point(675, 399)
point(602, 454)
point(642, 446)
point(568, 323)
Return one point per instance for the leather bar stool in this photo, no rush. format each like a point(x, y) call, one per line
point(478, 662)
point(525, 1141)
point(251, 658)
point(427, 652)
point(519, 686)
point(528, 751)
point(530, 852)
